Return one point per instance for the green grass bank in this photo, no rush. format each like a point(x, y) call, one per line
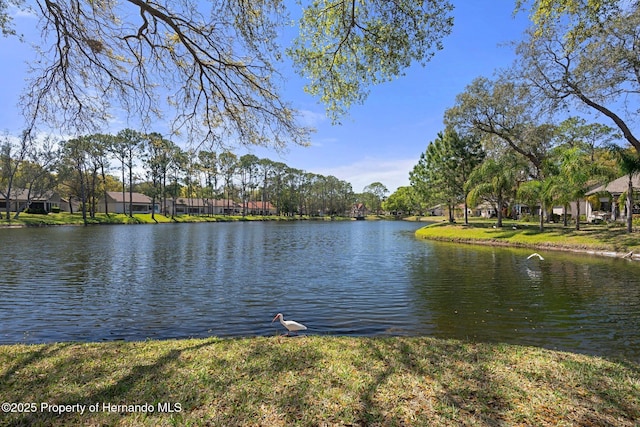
point(65, 218)
point(312, 381)
point(600, 239)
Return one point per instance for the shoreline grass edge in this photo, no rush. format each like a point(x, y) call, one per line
point(594, 240)
point(67, 219)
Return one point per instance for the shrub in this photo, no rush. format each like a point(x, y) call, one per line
point(38, 211)
point(529, 218)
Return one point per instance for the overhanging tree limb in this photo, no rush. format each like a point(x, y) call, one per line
point(214, 74)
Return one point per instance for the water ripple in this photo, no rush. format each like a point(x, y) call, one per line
point(352, 278)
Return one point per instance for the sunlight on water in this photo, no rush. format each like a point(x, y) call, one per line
point(344, 278)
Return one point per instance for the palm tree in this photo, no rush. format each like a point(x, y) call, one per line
point(492, 181)
point(629, 163)
point(538, 190)
point(576, 171)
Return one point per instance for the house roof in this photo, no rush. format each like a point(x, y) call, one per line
point(617, 186)
point(484, 205)
point(136, 197)
point(21, 194)
point(191, 202)
point(204, 202)
point(259, 205)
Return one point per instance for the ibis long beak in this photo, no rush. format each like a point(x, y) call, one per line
point(274, 319)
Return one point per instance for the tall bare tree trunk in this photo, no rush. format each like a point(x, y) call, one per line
point(630, 205)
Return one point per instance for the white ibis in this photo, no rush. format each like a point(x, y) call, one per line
point(289, 324)
point(535, 255)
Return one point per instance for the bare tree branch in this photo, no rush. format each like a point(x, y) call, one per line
point(213, 73)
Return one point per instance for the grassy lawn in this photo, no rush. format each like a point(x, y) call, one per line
point(65, 218)
point(599, 237)
point(308, 380)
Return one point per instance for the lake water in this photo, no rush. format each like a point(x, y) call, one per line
point(339, 278)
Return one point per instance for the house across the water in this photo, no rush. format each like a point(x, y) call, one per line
point(118, 202)
point(20, 199)
point(606, 205)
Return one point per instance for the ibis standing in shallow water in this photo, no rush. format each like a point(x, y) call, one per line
point(289, 324)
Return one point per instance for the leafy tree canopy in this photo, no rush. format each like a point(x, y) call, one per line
point(346, 46)
point(504, 108)
point(404, 200)
point(579, 15)
point(444, 167)
point(597, 71)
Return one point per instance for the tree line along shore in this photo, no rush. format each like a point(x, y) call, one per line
point(600, 239)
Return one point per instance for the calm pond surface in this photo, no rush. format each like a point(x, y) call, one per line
point(338, 278)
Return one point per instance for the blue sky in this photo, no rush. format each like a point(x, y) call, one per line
point(380, 140)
